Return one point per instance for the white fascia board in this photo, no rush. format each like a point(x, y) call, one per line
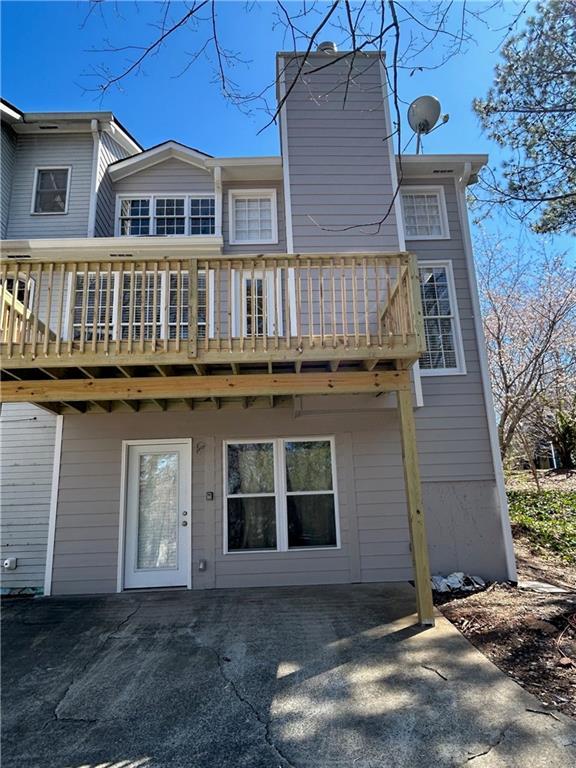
point(242, 161)
point(121, 137)
point(210, 244)
point(10, 113)
point(150, 157)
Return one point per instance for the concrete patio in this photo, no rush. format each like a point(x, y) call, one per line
point(312, 677)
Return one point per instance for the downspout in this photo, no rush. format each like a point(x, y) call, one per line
point(94, 180)
point(461, 185)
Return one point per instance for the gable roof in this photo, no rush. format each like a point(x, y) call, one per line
point(158, 154)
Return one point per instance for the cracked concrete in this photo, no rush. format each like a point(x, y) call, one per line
point(313, 677)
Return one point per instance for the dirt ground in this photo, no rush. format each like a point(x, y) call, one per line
point(530, 636)
point(550, 480)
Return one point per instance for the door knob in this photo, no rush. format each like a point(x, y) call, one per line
point(184, 523)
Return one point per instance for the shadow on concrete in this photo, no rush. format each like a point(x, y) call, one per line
point(312, 677)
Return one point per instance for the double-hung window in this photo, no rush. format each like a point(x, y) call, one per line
point(51, 190)
point(280, 495)
point(168, 216)
point(252, 216)
point(424, 212)
point(444, 353)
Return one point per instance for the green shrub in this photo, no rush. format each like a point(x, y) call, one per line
point(548, 519)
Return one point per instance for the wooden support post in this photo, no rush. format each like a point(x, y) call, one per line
point(418, 539)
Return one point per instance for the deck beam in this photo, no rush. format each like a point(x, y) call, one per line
point(162, 387)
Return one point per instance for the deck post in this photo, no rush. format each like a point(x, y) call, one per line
point(418, 539)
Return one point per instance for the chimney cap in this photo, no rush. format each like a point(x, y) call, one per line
point(327, 47)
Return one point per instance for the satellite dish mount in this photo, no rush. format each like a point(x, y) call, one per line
point(423, 115)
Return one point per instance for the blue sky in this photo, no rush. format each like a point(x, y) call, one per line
point(48, 63)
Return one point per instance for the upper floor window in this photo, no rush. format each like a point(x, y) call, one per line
point(253, 217)
point(51, 190)
point(444, 353)
point(166, 216)
point(424, 211)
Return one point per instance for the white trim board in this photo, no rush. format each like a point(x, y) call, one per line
point(485, 375)
point(393, 168)
point(53, 506)
point(286, 167)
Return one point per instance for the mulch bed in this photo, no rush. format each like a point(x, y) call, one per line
point(530, 636)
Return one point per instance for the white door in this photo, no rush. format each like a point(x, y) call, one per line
point(157, 535)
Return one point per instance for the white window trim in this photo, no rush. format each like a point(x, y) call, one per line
point(37, 170)
point(264, 194)
point(460, 370)
point(280, 494)
point(115, 298)
point(429, 189)
point(186, 196)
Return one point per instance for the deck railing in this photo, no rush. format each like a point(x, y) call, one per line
point(220, 309)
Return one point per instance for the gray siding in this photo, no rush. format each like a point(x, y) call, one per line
point(374, 530)
point(8, 159)
point(33, 151)
point(452, 426)
point(168, 176)
point(280, 247)
point(109, 152)
point(27, 436)
point(339, 161)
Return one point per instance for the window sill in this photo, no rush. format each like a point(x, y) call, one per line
point(48, 213)
point(427, 237)
point(435, 372)
point(253, 242)
point(336, 548)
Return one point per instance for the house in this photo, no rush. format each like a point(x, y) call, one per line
point(262, 370)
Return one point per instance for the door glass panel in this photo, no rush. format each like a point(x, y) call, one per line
point(158, 511)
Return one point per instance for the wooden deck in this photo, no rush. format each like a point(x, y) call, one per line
point(172, 318)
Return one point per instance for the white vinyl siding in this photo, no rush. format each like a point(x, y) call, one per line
point(424, 211)
point(253, 215)
point(444, 352)
point(141, 215)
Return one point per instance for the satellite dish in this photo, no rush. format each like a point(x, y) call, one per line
point(423, 115)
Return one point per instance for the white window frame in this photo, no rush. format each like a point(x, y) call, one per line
point(460, 369)
point(116, 293)
point(427, 189)
point(263, 194)
point(37, 169)
point(186, 196)
point(280, 493)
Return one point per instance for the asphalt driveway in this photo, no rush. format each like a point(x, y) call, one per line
point(313, 677)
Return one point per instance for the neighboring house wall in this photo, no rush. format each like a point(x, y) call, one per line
point(8, 159)
point(109, 152)
point(339, 161)
point(27, 436)
point(32, 151)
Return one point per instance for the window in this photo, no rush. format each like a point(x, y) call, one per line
point(181, 215)
point(424, 211)
point(441, 324)
point(170, 216)
point(280, 495)
point(253, 216)
point(22, 289)
point(135, 217)
point(202, 215)
point(51, 188)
